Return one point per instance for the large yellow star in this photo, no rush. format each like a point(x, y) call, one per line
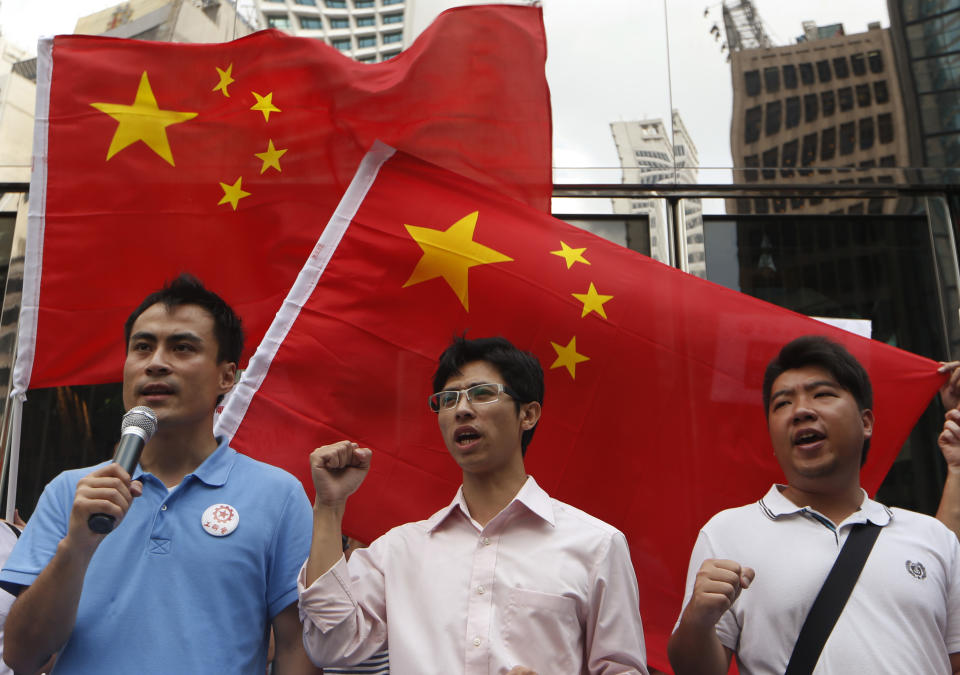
point(568, 357)
point(592, 301)
point(226, 79)
point(232, 194)
point(270, 157)
point(571, 255)
point(264, 104)
point(142, 121)
point(450, 254)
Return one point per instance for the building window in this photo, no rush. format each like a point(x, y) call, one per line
point(828, 144)
point(367, 41)
point(389, 55)
point(774, 110)
point(280, 1)
point(840, 67)
point(848, 137)
point(342, 44)
point(365, 21)
point(363, 4)
point(771, 79)
point(875, 59)
point(390, 38)
point(866, 133)
point(770, 159)
point(309, 3)
point(792, 117)
point(751, 131)
point(392, 18)
point(885, 128)
point(370, 58)
point(827, 102)
point(863, 95)
point(888, 160)
point(789, 157)
point(880, 92)
point(779, 205)
point(760, 205)
point(335, 4)
point(391, 2)
point(339, 23)
point(751, 81)
point(310, 22)
point(845, 97)
point(752, 162)
point(823, 70)
point(858, 64)
point(790, 76)
point(278, 21)
point(808, 152)
point(806, 73)
point(810, 107)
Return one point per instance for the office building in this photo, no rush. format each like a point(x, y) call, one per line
point(651, 154)
point(369, 31)
point(827, 109)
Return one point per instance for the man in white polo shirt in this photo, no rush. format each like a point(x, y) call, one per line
point(903, 615)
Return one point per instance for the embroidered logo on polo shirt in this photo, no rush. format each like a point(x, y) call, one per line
point(220, 520)
point(916, 570)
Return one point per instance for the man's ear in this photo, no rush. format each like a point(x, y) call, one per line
point(866, 416)
point(529, 415)
point(228, 376)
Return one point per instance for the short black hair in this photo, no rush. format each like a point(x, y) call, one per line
point(186, 289)
point(520, 370)
point(817, 350)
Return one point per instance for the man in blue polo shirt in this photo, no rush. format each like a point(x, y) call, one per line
point(208, 542)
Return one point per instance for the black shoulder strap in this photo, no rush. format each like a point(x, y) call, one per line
point(833, 596)
point(16, 530)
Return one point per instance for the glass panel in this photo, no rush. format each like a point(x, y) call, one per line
point(790, 77)
point(751, 80)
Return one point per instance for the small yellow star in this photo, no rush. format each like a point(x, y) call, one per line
point(592, 301)
point(568, 357)
point(450, 254)
point(271, 157)
point(571, 255)
point(232, 194)
point(226, 79)
point(265, 105)
point(142, 121)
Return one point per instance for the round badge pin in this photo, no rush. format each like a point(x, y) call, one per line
point(220, 520)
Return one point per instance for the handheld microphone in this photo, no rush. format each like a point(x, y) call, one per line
point(136, 428)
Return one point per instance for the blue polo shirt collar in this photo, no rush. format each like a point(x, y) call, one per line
point(214, 470)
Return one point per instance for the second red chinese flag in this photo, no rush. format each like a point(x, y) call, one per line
point(652, 418)
point(226, 160)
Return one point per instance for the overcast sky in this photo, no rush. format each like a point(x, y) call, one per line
point(607, 61)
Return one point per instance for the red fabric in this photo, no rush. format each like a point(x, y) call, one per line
point(662, 427)
point(470, 94)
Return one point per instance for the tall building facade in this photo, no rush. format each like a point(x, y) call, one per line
point(199, 21)
point(369, 31)
point(828, 109)
point(649, 154)
point(926, 40)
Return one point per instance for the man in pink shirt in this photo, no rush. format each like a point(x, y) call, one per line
point(504, 579)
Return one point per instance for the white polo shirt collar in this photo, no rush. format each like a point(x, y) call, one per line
point(776, 506)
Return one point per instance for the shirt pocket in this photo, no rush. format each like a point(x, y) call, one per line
point(542, 631)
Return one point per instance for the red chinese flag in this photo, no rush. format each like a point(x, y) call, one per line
point(225, 160)
point(652, 418)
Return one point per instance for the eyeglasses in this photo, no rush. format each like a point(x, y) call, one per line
point(477, 394)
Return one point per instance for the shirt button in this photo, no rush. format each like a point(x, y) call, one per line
point(481, 590)
point(476, 642)
point(163, 508)
point(485, 541)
